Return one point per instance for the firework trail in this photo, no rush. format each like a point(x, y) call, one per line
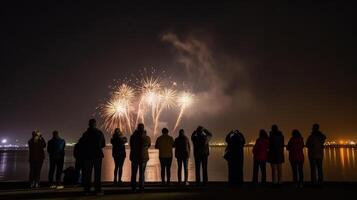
point(184, 100)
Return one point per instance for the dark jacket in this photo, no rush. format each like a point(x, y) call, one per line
point(182, 147)
point(55, 148)
point(235, 144)
point(261, 149)
point(200, 141)
point(118, 145)
point(91, 144)
point(296, 149)
point(36, 149)
point(139, 146)
point(315, 145)
point(276, 148)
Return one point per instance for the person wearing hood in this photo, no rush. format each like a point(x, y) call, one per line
point(119, 154)
point(260, 156)
point(36, 156)
point(91, 146)
point(315, 145)
point(182, 154)
point(234, 156)
point(276, 154)
point(55, 149)
point(139, 155)
point(296, 157)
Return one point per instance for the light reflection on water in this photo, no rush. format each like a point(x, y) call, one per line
point(339, 165)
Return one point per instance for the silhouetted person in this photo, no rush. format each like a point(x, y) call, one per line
point(36, 156)
point(296, 157)
point(260, 156)
point(119, 154)
point(315, 145)
point(276, 154)
point(182, 154)
point(234, 156)
point(200, 140)
point(165, 143)
point(139, 155)
point(55, 149)
point(78, 166)
point(91, 144)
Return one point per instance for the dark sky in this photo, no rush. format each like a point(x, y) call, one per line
point(290, 64)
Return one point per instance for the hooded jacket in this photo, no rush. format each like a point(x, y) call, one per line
point(139, 146)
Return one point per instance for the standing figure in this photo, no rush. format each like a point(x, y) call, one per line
point(55, 149)
point(139, 155)
point(36, 156)
point(91, 146)
point(234, 156)
point(260, 156)
point(118, 152)
point(200, 140)
point(276, 154)
point(165, 143)
point(315, 145)
point(296, 157)
point(182, 154)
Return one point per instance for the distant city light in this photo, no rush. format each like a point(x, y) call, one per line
point(4, 141)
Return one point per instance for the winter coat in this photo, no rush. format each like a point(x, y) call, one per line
point(139, 147)
point(200, 141)
point(261, 149)
point(118, 146)
point(55, 148)
point(182, 147)
point(235, 144)
point(91, 144)
point(315, 145)
point(164, 143)
point(296, 149)
point(36, 149)
point(276, 148)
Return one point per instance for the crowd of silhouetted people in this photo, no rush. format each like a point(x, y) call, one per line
point(88, 154)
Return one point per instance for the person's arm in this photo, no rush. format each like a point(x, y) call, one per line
point(149, 141)
point(43, 142)
point(64, 145)
point(308, 142)
point(288, 147)
point(243, 139)
point(208, 134)
point(228, 137)
point(49, 149)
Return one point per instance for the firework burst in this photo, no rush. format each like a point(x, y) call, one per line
point(146, 101)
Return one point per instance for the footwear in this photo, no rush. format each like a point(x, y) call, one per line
point(186, 183)
point(37, 185)
point(53, 186)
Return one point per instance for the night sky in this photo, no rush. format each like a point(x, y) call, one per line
point(289, 64)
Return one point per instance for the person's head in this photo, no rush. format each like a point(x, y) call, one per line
point(274, 128)
point(296, 133)
point(35, 133)
point(263, 134)
point(199, 129)
point(141, 127)
point(92, 123)
point(117, 131)
point(181, 132)
point(315, 127)
point(55, 134)
point(165, 131)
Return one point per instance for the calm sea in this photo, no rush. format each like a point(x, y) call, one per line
point(339, 165)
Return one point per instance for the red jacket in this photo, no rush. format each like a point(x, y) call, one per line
point(295, 148)
point(260, 149)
